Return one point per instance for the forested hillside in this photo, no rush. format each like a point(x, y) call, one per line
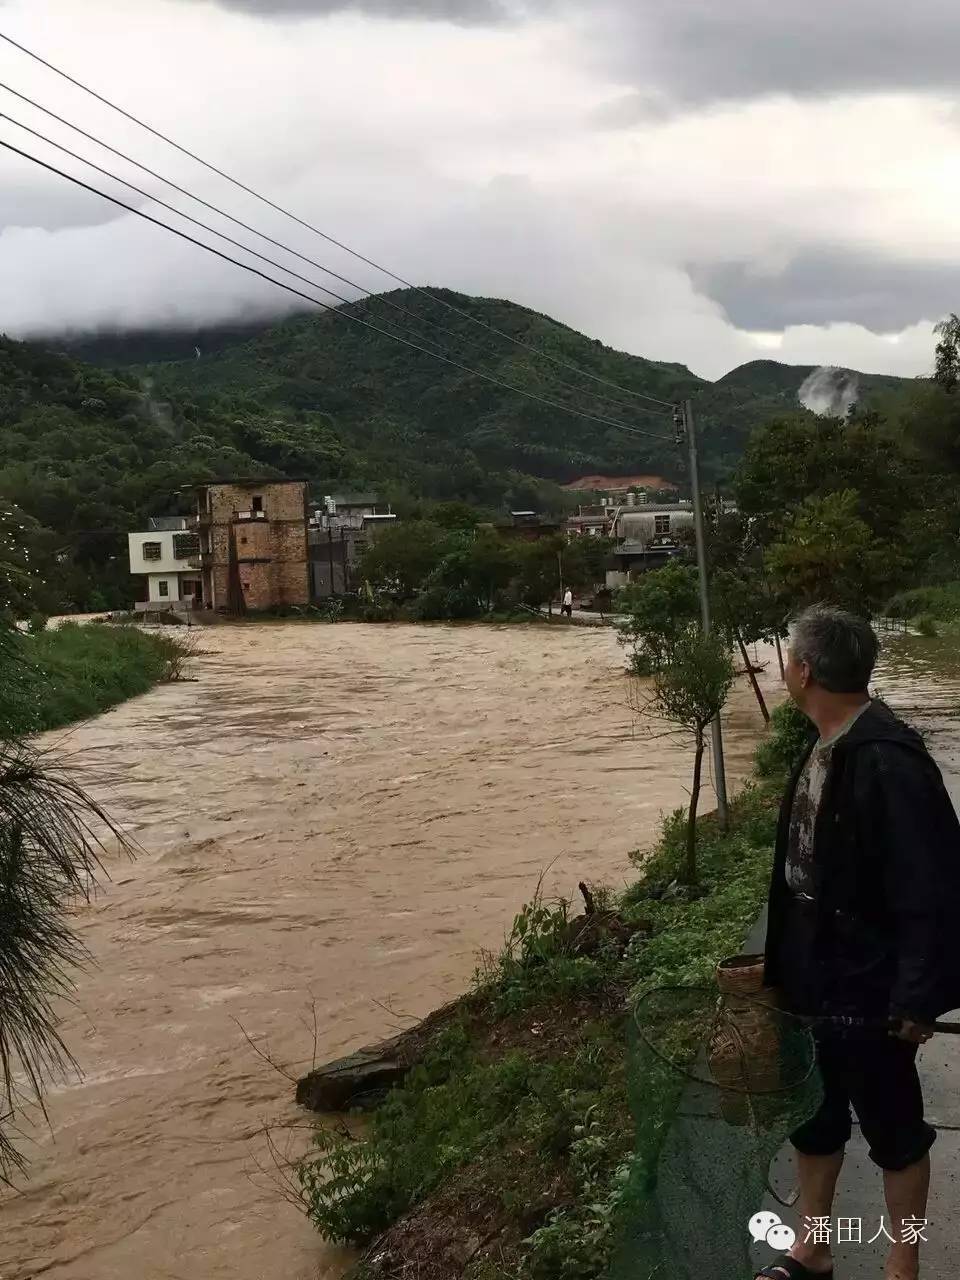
point(86, 455)
point(89, 450)
point(438, 430)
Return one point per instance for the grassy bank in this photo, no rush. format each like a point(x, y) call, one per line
point(508, 1149)
point(57, 677)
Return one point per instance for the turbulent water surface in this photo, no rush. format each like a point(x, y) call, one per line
point(333, 820)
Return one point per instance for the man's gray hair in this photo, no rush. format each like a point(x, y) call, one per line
point(839, 648)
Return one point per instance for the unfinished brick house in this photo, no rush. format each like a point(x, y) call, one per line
point(253, 544)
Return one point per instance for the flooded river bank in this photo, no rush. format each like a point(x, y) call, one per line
point(332, 819)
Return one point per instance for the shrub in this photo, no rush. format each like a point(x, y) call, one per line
point(939, 602)
point(926, 625)
point(538, 960)
point(451, 1109)
point(788, 736)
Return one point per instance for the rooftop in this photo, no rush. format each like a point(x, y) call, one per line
point(166, 524)
point(354, 499)
point(644, 508)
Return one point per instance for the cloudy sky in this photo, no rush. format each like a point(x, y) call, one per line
point(695, 181)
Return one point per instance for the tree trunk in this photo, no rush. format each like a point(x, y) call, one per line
point(690, 870)
point(776, 641)
point(753, 676)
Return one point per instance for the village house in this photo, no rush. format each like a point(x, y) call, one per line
point(164, 558)
point(340, 529)
point(244, 548)
point(253, 544)
point(648, 535)
point(526, 526)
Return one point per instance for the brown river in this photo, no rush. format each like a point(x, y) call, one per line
point(333, 821)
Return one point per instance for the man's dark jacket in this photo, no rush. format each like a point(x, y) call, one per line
point(883, 933)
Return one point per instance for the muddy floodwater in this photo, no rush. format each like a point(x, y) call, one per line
point(332, 819)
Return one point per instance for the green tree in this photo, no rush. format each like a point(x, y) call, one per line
point(828, 553)
point(585, 562)
point(454, 515)
point(947, 367)
point(789, 460)
point(470, 578)
point(401, 558)
point(689, 692)
point(538, 570)
point(658, 611)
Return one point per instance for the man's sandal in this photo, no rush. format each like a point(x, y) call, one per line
point(787, 1268)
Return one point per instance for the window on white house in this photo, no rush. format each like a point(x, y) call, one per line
point(186, 545)
point(163, 588)
point(152, 551)
point(661, 524)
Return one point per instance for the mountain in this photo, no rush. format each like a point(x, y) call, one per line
point(434, 428)
point(97, 432)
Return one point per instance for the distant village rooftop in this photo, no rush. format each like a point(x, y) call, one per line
point(354, 499)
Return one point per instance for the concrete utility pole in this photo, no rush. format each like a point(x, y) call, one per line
point(685, 424)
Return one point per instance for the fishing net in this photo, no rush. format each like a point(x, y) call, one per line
point(718, 1081)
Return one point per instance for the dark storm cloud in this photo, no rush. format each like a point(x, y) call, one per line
point(824, 286)
point(695, 51)
point(701, 50)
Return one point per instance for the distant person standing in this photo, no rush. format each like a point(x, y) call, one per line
point(567, 606)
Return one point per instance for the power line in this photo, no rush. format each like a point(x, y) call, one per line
point(205, 226)
point(244, 266)
point(370, 262)
point(411, 315)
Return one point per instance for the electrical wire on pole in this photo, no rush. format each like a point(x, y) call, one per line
point(686, 429)
point(398, 279)
point(346, 315)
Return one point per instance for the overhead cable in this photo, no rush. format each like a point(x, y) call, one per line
point(244, 266)
point(370, 262)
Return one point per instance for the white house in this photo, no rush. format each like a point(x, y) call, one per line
point(168, 557)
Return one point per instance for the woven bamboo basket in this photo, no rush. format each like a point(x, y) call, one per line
point(744, 1049)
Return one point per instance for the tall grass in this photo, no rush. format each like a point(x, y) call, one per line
point(61, 676)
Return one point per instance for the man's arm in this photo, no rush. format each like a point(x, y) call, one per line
point(917, 839)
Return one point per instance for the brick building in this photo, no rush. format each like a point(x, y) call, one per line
point(253, 544)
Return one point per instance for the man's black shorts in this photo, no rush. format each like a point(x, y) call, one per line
point(876, 1074)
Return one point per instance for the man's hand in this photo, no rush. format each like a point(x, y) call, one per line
point(914, 1032)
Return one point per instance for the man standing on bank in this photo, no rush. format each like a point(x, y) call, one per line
point(863, 921)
